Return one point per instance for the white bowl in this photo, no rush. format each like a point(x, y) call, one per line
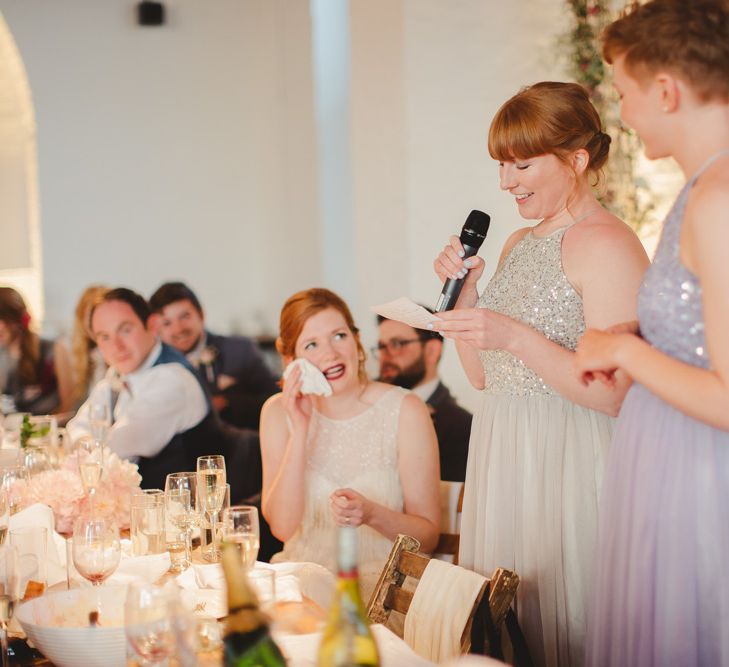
point(57, 625)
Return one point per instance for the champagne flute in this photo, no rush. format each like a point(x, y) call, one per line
point(90, 453)
point(9, 476)
point(4, 516)
point(182, 508)
point(211, 494)
point(99, 421)
point(96, 548)
point(9, 594)
point(240, 527)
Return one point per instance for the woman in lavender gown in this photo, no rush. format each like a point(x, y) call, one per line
point(661, 594)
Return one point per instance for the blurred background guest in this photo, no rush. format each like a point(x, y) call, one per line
point(232, 367)
point(409, 358)
point(79, 363)
point(27, 373)
point(364, 456)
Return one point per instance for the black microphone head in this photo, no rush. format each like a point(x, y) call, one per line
point(475, 229)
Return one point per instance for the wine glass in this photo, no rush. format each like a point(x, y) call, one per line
point(96, 548)
point(90, 454)
point(211, 494)
point(9, 594)
point(240, 527)
point(149, 622)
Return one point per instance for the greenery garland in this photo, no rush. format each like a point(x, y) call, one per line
point(624, 193)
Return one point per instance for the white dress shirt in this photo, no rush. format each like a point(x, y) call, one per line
point(155, 403)
point(425, 390)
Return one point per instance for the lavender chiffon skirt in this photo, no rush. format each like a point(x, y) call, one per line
point(661, 595)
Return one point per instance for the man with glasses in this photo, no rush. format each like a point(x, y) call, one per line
point(409, 358)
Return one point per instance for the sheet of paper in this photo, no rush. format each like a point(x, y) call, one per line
point(407, 311)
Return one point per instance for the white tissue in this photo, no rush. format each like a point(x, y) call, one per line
point(312, 379)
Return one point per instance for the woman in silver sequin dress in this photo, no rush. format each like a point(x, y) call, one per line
point(662, 581)
point(540, 438)
point(364, 456)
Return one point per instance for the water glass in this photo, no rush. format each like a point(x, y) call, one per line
point(99, 421)
point(240, 527)
point(181, 508)
point(90, 456)
point(9, 475)
point(148, 522)
point(31, 543)
point(9, 594)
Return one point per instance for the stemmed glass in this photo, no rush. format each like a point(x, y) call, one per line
point(149, 621)
point(9, 594)
point(96, 548)
point(240, 527)
point(90, 453)
point(99, 421)
point(182, 509)
point(9, 475)
point(211, 494)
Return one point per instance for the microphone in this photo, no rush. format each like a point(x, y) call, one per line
point(472, 236)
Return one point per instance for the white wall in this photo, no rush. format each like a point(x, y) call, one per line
point(193, 150)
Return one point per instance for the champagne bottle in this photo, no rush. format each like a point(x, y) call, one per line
point(348, 640)
point(248, 641)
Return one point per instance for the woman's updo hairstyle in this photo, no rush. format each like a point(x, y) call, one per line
point(303, 305)
point(549, 118)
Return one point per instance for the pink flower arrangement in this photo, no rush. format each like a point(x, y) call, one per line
point(64, 493)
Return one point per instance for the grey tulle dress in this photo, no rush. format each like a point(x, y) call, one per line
point(661, 594)
point(535, 462)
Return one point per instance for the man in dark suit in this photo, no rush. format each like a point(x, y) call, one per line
point(409, 358)
point(231, 366)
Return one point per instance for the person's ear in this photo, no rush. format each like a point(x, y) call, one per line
point(668, 90)
point(579, 161)
point(154, 323)
point(432, 351)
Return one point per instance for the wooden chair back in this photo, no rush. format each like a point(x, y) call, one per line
point(405, 561)
point(449, 542)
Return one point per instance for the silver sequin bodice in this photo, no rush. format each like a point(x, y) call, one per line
point(530, 286)
point(669, 301)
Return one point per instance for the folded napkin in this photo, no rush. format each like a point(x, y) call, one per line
point(312, 379)
point(440, 609)
point(41, 515)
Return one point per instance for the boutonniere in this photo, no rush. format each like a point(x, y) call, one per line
point(207, 357)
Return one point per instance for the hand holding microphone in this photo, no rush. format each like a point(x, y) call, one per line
point(457, 265)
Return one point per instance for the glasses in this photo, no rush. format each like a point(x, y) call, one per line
point(393, 346)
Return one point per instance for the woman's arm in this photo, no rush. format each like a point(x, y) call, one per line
point(419, 470)
point(608, 262)
point(283, 454)
point(700, 393)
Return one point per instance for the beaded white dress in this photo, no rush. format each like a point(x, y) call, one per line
point(535, 462)
point(360, 453)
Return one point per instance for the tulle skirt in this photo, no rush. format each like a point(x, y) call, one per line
point(662, 574)
point(534, 474)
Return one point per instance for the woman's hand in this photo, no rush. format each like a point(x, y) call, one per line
point(596, 356)
point(450, 264)
point(297, 405)
point(481, 328)
point(349, 508)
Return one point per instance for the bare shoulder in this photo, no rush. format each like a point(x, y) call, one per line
point(708, 202)
point(413, 407)
point(272, 407)
point(601, 240)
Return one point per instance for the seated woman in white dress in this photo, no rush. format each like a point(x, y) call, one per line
point(364, 456)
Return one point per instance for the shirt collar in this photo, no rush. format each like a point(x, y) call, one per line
point(193, 356)
point(134, 376)
point(425, 390)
